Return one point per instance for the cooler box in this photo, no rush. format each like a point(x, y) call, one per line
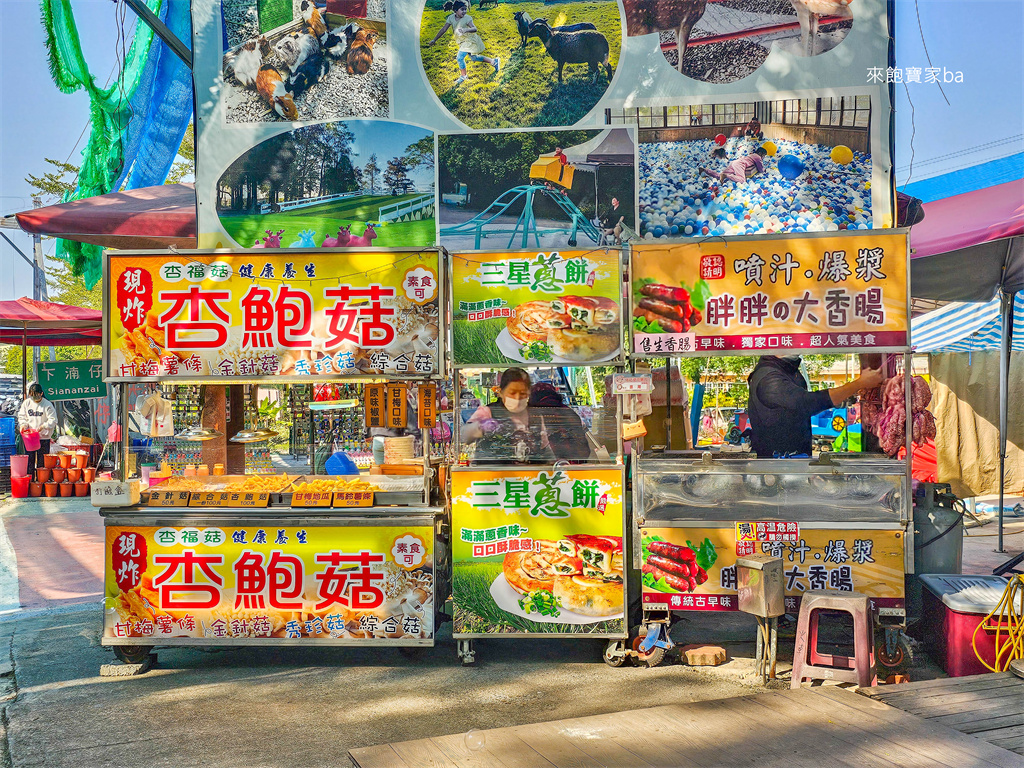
point(953, 606)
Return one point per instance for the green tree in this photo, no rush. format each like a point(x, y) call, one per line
point(187, 165)
point(420, 152)
point(52, 185)
point(396, 174)
point(371, 172)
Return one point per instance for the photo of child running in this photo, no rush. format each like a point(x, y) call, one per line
point(471, 45)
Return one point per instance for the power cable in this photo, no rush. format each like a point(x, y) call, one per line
point(926, 54)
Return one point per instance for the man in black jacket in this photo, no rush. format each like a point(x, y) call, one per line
point(781, 407)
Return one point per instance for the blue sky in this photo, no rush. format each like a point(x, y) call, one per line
point(980, 38)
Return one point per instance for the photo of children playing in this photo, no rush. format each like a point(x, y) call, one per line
point(721, 41)
point(519, 64)
point(545, 189)
point(353, 184)
point(792, 165)
point(297, 60)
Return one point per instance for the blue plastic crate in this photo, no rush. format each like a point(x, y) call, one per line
point(8, 430)
point(6, 451)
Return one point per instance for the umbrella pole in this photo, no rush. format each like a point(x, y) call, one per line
point(24, 363)
point(1004, 383)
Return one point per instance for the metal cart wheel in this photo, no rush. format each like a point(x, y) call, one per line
point(652, 659)
point(897, 662)
point(615, 653)
point(467, 653)
point(132, 654)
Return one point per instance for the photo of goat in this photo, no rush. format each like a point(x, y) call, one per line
point(721, 41)
point(506, 64)
point(317, 65)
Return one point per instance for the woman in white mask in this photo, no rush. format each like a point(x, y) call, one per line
point(503, 429)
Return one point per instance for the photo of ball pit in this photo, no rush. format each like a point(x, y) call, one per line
point(802, 189)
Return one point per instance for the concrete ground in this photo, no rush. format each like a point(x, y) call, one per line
point(302, 707)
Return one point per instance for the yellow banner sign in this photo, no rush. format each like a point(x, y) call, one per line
point(694, 569)
point(266, 584)
point(538, 551)
point(767, 295)
point(299, 314)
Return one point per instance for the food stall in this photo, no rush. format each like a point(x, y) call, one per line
point(838, 520)
point(210, 555)
point(538, 493)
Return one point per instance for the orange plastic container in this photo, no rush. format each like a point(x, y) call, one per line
point(43, 474)
point(50, 460)
point(74, 475)
point(67, 489)
point(35, 490)
point(64, 459)
point(81, 489)
point(88, 474)
point(51, 489)
point(57, 474)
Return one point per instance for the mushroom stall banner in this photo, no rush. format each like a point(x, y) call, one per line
point(751, 116)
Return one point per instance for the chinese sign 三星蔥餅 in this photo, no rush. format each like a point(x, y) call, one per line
point(536, 307)
point(767, 295)
point(256, 315)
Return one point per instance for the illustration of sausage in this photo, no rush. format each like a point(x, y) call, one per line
point(672, 551)
point(671, 326)
point(666, 293)
point(675, 311)
point(682, 583)
point(671, 566)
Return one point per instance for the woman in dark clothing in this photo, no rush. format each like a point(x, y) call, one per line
point(506, 431)
point(565, 432)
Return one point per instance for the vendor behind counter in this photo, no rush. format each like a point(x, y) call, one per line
point(781, 406)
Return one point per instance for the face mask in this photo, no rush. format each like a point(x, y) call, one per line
point(514, 405)
point(37, 398)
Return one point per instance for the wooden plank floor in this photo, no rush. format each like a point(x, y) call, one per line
point(989, 707)
point(823, 727)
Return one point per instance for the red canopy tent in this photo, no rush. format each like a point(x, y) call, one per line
point(151, 217)
point(32, 323)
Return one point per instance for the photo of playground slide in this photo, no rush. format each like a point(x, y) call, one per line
point(513, 190)
point(304, 60)
point(504, 75)
point(721, 41)
point(360, 183)
point(795, 165)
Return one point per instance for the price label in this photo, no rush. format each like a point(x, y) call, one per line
point(210, 499)
point(629, 384)
point(353, 499)
point(168, 498)
point(315, 499)
point(249, 499)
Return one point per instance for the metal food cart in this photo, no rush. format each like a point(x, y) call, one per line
point(271, 559)
point(839, 521)
point(537, 545)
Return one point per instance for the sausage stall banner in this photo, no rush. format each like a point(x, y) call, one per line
point(839, 293)
point(537, 308)
point(538, 552)
point(251, 584)
point(293, 314)
point(694, 568)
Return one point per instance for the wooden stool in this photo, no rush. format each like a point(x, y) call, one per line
point(808, 663)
